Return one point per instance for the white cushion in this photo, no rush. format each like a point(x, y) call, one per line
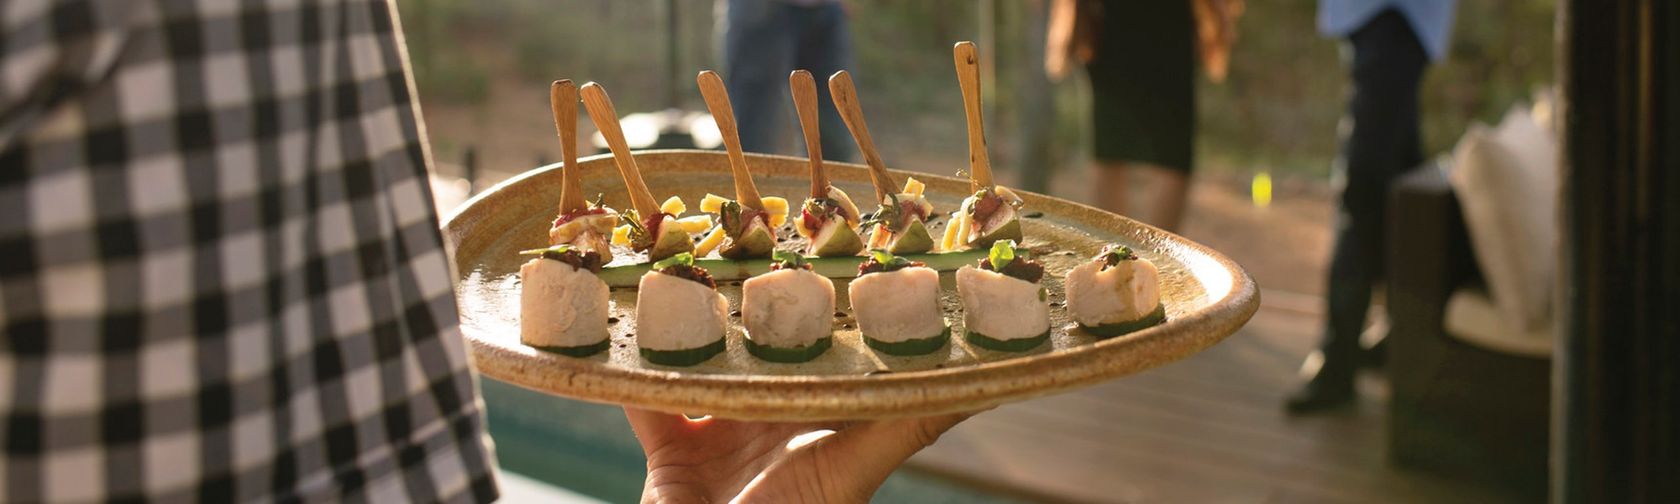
point(1472, 318)
point(1506, 181)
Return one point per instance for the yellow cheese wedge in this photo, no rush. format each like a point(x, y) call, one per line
point(778, 209)
point(913, 186)
point(695, 224)
point(709, 243)
point(712, 203)
point(674, 206)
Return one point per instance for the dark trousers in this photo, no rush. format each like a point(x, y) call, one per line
point(1388, 63)
point(764, 41)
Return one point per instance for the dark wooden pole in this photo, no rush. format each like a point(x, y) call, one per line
point(1616, 437)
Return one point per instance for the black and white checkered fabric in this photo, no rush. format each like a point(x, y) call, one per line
point(221, 276)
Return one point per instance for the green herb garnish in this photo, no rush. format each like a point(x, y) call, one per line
point(682, 259)
point(1003, 252)
point(1116, 253)
point(554, 250)
point(787, 260)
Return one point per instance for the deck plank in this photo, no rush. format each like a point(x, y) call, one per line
point(1207, 429)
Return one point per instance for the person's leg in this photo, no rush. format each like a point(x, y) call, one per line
point(757, 56)
point(825, 47)
point(1111, 186)
point(1388, 64)
point(1168, 188)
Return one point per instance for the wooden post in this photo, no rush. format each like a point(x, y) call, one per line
point(1616, 422)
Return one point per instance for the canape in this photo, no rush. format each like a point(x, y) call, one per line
point(828, 218)
point(562, 304)
point(788, 312)
point(897, 305)
point(1115, 293)
point(650, 228)
point(989, 214)
point(745, 222)
point(899, 225)
point(1004, 307)
point(681, 318)
point(589, 229)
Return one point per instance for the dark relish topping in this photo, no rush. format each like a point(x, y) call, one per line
point(882, 262)
point(682, 266)
point(1021, 267)
point(690, 272)
point(1113, 254)
point(576, 258)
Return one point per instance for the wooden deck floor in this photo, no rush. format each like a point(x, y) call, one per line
point(1206, 429)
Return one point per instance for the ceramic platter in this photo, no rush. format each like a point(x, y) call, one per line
point(1207, 297)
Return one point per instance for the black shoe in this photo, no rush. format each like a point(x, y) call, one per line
point(1324, 392)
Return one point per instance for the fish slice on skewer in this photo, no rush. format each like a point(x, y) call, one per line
point(581, 224)
point(898, 225)
point(746, 226)
point(651, 228)
point(992, 212)
point(828, 218)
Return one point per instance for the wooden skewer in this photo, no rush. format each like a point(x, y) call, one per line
point(717, 101)
point(845, 100)
point(805, 101)
point(563, 98)
point(601, 111)
point(968, 74)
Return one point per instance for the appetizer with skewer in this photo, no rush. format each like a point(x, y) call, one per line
point(991, 213)
point(745, 229)
point(562, 303)
point(1115, 293)
point(788, 312)
point(897, 305)
point(1004, 307)
point(681, 319)
point(828, 218)
point(899, 226)
point(651, 229)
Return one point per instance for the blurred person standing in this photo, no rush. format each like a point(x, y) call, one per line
point(1389, 44)
point(764, 41)
point(1140, 58)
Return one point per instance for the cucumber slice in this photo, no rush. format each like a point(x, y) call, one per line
point(1006, 345)
point(1106, 331)
point(832, 267)
point(910, 347)
point(790, 355)
point(577, 351)
point(686, 357)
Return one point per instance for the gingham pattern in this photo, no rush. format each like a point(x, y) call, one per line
point(221, 276)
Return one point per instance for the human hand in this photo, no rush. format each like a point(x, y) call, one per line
point(717, 460)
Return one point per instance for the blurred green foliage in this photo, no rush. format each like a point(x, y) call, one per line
point(1278, 110)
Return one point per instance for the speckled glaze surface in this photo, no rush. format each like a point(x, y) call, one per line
point(1207, 297)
